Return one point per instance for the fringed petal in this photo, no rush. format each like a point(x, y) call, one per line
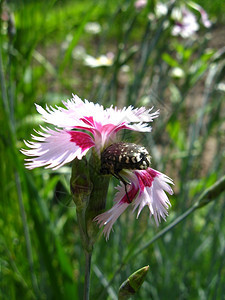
point(55, 148)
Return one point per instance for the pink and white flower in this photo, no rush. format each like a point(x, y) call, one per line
point(80, 126)
point(185, 23)
point(147, 187)
point(83, 125)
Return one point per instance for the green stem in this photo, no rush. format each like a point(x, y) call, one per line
point(87, 274)
point(89, 190)
point(3, 87)
point(86, 243)
point(88, 248)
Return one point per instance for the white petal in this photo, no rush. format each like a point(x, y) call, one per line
point(70, 117)
point(77, 111)
point(129, 115)
point(53, 149)
point(154, 197)
point(108, 218)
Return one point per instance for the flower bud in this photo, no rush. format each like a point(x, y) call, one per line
point(130, 286)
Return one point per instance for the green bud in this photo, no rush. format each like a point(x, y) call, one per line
point(130, 286)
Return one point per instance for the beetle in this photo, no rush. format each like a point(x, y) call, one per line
point(119, 156)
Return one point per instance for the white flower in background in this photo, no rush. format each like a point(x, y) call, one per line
point(177, 72)
point(93, 27)
point(221, 87)
point(140, 4)
point(161, 9)
point(107, 60)
point(185, 22)
point(79, 52)
point(101, 61)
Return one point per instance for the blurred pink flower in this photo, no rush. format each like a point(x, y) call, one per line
point(147, 187)
point(54, 148)
point(204, 16)
point(185, 24)
point(205, 19)
point(139, 4)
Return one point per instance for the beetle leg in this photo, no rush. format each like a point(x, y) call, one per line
point(118, 176)
point(125, 184)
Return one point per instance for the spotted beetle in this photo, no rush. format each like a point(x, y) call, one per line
point(119, 156)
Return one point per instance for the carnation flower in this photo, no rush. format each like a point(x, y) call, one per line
point(83, 125)
point(147, 187)
point(54, 148)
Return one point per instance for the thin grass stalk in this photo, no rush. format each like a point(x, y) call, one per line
point(217, 261)
point(27, 236)
point(148, 45)
point(219, 276)
point(207, 196)
point(3, 86)
point(10, 118)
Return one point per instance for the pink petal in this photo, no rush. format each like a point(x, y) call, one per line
point(153, 195)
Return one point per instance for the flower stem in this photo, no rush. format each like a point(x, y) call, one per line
point(89, 190)
point(87, 274)
point(26, 235)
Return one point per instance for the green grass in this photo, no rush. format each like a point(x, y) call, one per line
point(40, 249)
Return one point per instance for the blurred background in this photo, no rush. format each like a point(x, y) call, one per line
point(170, 55)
